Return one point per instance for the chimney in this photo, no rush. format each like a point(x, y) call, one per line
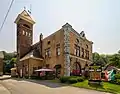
point(41, 38)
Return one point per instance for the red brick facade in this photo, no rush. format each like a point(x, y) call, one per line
point(65, 50)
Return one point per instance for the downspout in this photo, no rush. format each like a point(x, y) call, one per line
point(29, 68)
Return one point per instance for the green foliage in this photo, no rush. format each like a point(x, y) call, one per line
point(80, 79)
point(115, 60)
point(107, 87)
point(8, 64)
point(99, 59)
point(107, 59)
point(8, 56)
point(117, 76)
point(64, 79)
point(72, 80)
point(118, 81)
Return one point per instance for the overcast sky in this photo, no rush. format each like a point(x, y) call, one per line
point(100, 19)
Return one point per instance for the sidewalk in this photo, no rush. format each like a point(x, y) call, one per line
point(5, 77)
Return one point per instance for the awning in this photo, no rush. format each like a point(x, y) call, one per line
point(44, 70)
point(13, 69)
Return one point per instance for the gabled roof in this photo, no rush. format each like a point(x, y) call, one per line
point(30, 55)
point(25, 16)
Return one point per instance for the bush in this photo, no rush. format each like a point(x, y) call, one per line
point(64, 79)
point(72, 80)
point(118, 81)
point(80, 79)
point(117, 76)
point(113, 81)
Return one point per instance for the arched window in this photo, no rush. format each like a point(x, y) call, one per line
point(26, 33)
point(76, 69)
point(23, 32)
point(29, 34)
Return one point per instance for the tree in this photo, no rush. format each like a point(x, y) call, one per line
point(96, 57)
point(100, 59)
point(8, 56)
point(115, 60)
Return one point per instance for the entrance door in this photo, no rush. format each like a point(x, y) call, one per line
point(58, 70)
point(76, 69)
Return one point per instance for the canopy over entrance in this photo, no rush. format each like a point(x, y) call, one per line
point(39, 70)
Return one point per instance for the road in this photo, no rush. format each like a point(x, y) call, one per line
point(13, 86)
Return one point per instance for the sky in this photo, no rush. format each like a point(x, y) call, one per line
point(100, 20)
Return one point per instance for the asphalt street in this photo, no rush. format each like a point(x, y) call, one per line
point(19, 86)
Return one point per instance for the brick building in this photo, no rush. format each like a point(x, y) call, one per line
point(1, 62)
point(66, 50)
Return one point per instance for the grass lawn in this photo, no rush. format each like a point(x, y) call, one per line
point(107, 87)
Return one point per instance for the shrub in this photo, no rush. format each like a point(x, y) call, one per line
point(64, 79)
point(117, 76)
point(118, 81)
point(80, 79)
point(72, 80)
point(113, 81)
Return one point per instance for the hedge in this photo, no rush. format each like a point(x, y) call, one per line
point(64, 79)
point(117, 76)
point(71, 79)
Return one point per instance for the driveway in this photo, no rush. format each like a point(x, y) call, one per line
point(41, 87)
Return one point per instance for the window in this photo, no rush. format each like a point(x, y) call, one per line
point(23, 32)
point(77, 50)
point(86, 54)
point(34, 68)
point(26, 25)
point(29, 34)
point(26, 33)
point(58, 50)
point(86, 46)
point(77, 40)
point(83, 52)
point(47, 52)
point(48, 42)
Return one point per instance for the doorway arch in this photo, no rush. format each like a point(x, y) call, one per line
point(76, 69)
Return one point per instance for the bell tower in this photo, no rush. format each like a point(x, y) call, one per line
point(24, 24)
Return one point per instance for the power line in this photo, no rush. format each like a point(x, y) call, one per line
point(6, 15)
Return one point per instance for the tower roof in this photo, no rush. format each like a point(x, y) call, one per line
point(25, 16)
